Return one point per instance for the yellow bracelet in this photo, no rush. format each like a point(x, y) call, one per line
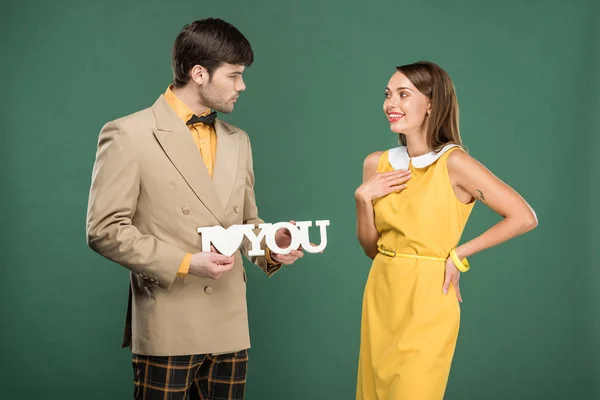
point(462, 266)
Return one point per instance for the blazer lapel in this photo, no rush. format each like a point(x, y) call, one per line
point(226, 162)
point(176, 141)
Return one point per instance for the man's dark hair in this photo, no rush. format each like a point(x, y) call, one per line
point(208, 42)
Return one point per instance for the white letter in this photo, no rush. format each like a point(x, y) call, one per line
point(226, 241)
point(271, 237)
point(255, 240)
point(205, 232)
point(303, 226)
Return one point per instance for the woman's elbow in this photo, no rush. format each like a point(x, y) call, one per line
point(369, 250)
point(371, 254)
point(529, 221)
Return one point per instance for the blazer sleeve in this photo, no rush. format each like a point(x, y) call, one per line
point(251, 217)
point(112, 205)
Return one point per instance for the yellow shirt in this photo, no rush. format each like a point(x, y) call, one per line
point(205, 138)
point(204, 135)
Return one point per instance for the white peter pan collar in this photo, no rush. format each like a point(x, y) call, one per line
point(399, 157)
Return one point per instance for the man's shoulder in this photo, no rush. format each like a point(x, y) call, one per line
point(138, 119)
point(136, 125)
point(231, 127)
point(241, 134)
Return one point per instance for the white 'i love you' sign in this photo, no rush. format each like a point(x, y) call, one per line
point(228, 241)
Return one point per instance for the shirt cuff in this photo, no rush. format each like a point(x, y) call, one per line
point(185, 266)
point(270, 261)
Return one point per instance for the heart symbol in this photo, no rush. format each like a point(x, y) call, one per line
point(226, 241)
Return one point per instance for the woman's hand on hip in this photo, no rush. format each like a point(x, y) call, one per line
point(452, 275)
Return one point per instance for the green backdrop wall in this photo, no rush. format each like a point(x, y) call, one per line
point(589, 309)
point(525, 73)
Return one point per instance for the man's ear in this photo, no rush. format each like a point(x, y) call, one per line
point(199, 74)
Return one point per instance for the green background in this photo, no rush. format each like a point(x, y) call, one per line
point(526, 77)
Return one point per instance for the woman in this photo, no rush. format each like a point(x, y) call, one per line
point(411, 210)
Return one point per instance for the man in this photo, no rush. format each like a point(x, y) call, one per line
point(159, 174)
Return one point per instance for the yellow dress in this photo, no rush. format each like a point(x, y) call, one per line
point(409, 328)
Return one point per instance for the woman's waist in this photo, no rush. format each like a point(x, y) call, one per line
point(412, 252)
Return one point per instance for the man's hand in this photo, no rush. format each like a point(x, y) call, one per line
point(283, 238)
point(210, 265)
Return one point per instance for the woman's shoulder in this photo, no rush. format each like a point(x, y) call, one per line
point(458, 157)
point(461, 163)
point(373, 158)
point(372, 163)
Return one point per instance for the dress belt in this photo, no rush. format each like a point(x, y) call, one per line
point(392, 253)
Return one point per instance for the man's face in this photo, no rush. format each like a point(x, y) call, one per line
point(223, 88)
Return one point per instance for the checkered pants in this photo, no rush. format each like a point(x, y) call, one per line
point(193, 377)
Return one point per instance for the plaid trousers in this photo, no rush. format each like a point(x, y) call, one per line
point(191, 377)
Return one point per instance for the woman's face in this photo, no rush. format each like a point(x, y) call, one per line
point(405, 107)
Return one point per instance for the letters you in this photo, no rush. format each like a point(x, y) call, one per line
point(227, 241)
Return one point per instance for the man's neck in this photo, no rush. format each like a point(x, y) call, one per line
point(189, 97)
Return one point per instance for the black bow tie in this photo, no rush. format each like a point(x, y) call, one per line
point(205, 119)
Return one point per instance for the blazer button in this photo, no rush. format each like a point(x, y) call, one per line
point(236, 209)
point(185, 210)
point(207, 290)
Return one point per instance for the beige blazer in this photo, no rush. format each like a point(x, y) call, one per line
point(150, 190)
